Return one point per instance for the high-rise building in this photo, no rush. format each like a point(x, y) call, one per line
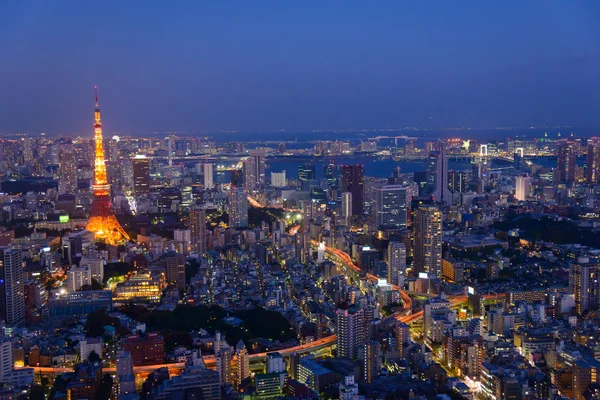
point(396, 260)
point(68, 170)
point(390, 206)
point(208, 176)
point(175, 269)
point(457, 181)
point(437, 177)
point(346, 205)
point(278, 179)
point(353, 181)
point(428, 240)
point(141, 175)
point(102, 221)
point(78, 277)
point(198, 229)
point(238, 208)
point(12, 292)
point(585, 275)
point(567, 160)
point(522, 187)
point(243, 362)
point(372, 361)
point(350, 331)
point(306, 172)
point(586, 373)
point(332, 174)
point(125, 376)
point(254, 171)
point(592, 174)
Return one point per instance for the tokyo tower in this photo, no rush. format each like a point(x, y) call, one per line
point(103, 221)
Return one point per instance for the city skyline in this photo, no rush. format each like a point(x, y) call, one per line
point(208, 68)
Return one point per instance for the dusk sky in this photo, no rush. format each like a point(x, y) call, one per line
point(298, 65)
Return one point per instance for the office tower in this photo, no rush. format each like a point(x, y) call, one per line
point(332, 174)
point(238, 208)
point(428, 240)
point(352, 181)
point(254, 171)
point(346, 205)
point(68, 170)
point(12, 293)
point(567, 157)
point(208, 176)
point(592, 174)
point(437, 177)
point(458, 181)
point(6, 360)
point(390, 206)
point(522, 187)
point(78, 277)
point(372, 361)
point(585, 275)
point(306, 173)
point(243, 362)
point(278, 179)
point(396, 260)
point(102, 221)
point(402, 334)
point(350, 331)
point(141, 175)
point(198, 229)
point(175, 269)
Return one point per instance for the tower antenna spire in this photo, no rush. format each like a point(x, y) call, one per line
point(96, 94)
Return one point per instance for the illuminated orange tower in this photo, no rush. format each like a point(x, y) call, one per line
point(103, 221)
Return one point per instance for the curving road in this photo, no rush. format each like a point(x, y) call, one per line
point(342, 258)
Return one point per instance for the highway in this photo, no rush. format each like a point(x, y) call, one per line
point(405, 315)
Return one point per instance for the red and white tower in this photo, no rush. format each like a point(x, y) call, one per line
point(103, 221)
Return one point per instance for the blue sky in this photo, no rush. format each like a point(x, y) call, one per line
point(267, 65)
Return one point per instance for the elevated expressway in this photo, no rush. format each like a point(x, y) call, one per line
point(345, 262)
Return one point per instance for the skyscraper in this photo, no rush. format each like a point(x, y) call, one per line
point(437, 177)
point(567, 157)
point(68, 170)
point(396, 260)
point(141, 175)
point(254, 171)
point(238, 208)
point(592, 174)
point(428, 240)
point(198, 229)
point(585, 275)
point(12, 292)
point(457, 181)
point(372, 361)
point(390, 206)
point(175, 269)
point(102, 221)
point(306, 172)
point(208, 176)
point(332, 174)
point(353, 181)
point(350, 331)
point(346, 205)
point(522, 187)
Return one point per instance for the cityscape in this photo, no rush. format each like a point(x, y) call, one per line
point(414, 263)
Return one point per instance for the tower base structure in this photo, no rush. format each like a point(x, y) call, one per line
point(103, 222)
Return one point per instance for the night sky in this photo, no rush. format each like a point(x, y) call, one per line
point(298, 65)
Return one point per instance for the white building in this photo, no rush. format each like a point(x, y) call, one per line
point(522, 184)
point(78, 277)
point(95, 265)
point(6, 359)
point(208, 176)
point(278, 179)
point(87, 345)
point(396, 259)
point(346, 205)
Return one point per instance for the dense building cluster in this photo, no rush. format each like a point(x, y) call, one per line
point(209, 276)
